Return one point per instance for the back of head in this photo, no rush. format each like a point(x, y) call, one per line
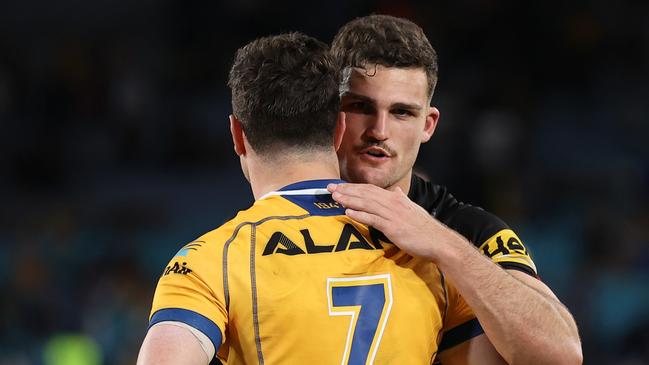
point(285, 93)
point(388, 41)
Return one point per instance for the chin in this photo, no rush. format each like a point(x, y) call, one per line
point(371, 176)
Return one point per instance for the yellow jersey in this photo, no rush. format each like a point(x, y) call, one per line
point(292, 280)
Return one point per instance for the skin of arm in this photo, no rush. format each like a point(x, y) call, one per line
point(520, 315)
point(477, 350)
point(169, 344)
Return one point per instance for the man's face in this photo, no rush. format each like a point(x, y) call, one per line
point(388, 117)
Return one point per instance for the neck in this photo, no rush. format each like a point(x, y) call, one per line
point(267, 176)
point(404, 183)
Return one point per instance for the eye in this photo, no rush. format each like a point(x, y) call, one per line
point(357, 107)
point(403, 112)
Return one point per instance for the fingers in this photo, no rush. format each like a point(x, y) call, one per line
point(355, 189)
point(354, 198)
point(366, 192)
point(367, 205)
point(367, 218)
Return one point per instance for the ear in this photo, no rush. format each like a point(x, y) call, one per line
point(431, 123)
point(236, 129)
point(339, 131)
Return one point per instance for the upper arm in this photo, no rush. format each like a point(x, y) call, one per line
point(490, 234)
point(169, 344)
point(191, 291)
point(476, 351)
point(507, 250)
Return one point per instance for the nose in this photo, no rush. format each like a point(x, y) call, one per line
point(378, 127)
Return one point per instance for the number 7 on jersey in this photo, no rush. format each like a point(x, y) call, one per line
point(368, 301)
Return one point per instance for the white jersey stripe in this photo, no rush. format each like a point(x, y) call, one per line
point(296, 192)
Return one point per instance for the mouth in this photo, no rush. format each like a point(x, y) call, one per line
point(375, 153)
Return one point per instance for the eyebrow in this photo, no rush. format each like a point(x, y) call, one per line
point(414, 107)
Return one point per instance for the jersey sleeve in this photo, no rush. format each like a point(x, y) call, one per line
point(492, 237)
point(507, 250)
point(190, 291)
point(460, 323)
point(486, 231)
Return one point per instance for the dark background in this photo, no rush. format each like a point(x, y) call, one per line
point(115, 151)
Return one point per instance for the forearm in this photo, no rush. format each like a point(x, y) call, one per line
point(525, 324)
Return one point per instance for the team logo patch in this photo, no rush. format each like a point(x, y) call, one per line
point(505, 246)
point(192, 246)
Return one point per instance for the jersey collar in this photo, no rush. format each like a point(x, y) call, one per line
point(307, 187)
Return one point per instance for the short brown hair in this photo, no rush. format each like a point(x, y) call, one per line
point(388, 41)
point(285, 92)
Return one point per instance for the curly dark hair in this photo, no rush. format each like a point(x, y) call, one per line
point(285, 92)
point(388, 41)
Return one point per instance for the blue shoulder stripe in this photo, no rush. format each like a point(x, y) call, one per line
point(323, 205)
point(191, 318)
point(459, 334)
point(311, 184)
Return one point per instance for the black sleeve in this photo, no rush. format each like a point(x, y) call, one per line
point(486, 231)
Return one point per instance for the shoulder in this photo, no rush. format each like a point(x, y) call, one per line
point(229, 230)
point(474, 223)
point(268, 209)
point(490, 234)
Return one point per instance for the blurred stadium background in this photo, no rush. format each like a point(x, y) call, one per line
point(115, 151)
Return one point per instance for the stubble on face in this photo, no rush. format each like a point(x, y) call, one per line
point(399, 97)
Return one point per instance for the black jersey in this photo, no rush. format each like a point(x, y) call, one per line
point(487, 232)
